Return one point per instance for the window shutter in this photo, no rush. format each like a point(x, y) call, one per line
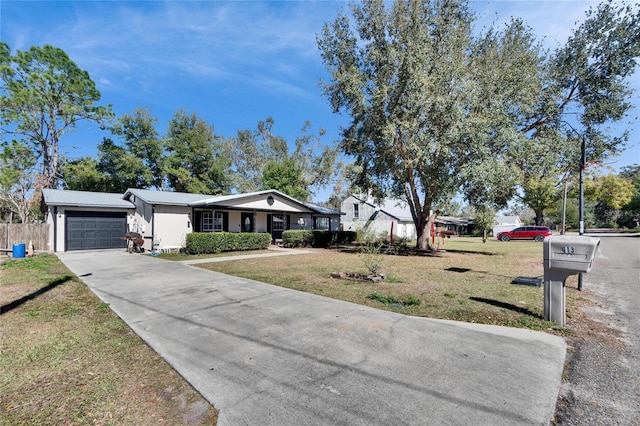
point(288, 224)
point(197, 221)
point(225, 221)
point(269, 220)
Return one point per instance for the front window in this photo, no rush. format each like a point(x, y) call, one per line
point(211, 221)
point(356, 211)
point(278, 222)
point(322, 223)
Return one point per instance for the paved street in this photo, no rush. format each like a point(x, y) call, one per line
point(604, 378)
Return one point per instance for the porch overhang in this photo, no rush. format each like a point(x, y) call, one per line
point(265, 201)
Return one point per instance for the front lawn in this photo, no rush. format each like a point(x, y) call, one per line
point(469, 281)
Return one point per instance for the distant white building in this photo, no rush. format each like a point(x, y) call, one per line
point(389, 216)
point(360, 213)
point(506, 223)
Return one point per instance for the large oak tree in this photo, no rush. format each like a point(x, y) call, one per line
point(431, 108)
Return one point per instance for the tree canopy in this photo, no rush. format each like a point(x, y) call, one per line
point(286, 177)
point(17, 180)
point(435, 110)
point(585, 88)
point(415, 84)
point(195, 161)
point(44, 96)
point(260, 159)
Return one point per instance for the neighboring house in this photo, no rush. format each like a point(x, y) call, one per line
point(459, 225)
point(361, 213)
point(83, 220)
point(505, 223)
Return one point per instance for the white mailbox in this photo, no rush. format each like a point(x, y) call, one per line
point(564, 255)
point(570, 253)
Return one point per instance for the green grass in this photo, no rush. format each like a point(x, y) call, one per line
point(66, 358)
point(468, 281)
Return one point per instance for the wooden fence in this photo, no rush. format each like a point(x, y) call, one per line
point(16, 233)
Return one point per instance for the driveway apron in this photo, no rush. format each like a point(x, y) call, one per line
point(266, 355)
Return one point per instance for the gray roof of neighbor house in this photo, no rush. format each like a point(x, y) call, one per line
point(57, 197)
point(165, 197)
point(451, 220)
point(323, 210)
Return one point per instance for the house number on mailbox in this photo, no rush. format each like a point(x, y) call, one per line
point(568, 250)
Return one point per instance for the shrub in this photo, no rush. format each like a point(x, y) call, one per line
point(410, 301)
point(217, 242)
point(305, 238)
point(390, 299)
point(298, 238)
point(372, 258)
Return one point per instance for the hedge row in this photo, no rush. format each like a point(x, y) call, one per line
point(217, 242)
point(296, 238)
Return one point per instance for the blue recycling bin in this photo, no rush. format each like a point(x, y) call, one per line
point(18, 251)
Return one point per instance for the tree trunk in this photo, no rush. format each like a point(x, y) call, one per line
point(424, 231)
point(539, 217)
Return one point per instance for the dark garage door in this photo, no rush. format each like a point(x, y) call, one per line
point(95, 230)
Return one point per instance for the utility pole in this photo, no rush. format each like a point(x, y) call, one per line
point(564, 208)
point(583, 161)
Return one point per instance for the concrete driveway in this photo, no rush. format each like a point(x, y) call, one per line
point(273, 356)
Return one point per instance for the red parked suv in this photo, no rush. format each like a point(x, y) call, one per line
point(525, 233)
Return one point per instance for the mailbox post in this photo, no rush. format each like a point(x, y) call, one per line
point(564, 255)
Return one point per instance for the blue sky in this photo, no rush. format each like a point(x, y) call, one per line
point(232, 62)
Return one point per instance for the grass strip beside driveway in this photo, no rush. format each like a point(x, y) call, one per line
point(66, 358)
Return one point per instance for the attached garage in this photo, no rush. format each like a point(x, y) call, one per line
point(86, 230)
point(82, 220)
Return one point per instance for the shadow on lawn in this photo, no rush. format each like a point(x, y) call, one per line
point(392, 251)
point(10, 306)
point(508, 306)
point(484, 253)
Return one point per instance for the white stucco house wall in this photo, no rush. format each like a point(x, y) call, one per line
point(82, 220)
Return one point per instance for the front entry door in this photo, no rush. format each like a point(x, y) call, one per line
point(278, 225)
point(247, 222)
